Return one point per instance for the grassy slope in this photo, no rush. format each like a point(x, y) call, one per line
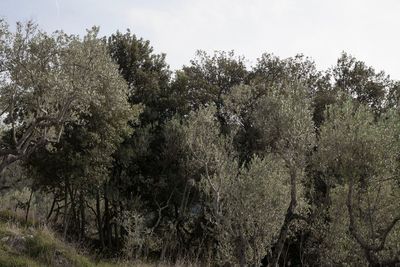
point(32, 246)
point(28, 245)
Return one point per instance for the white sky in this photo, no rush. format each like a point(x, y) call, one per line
point(320, 29)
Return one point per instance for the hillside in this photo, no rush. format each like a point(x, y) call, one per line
point(31, 245)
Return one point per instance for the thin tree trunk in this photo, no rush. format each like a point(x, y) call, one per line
point(73, 217)
point(28, 206)
point(51, 209)
point(241, 250)
point(83, 217)
point(99, 223)
point(107, 224)
point(65, 208)
point(287, 221)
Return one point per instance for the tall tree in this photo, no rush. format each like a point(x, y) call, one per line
point(207, 79)
point(77, 166)
point(44, 80)
point(283, 122)
point(140, 168)
point(240, 206)
point(362, 82)
point(358, 154)
point(146, 73)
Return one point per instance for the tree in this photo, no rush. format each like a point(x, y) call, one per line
point(270, 74)
point(210, 163)
point(146, 73)
point(358, 154)
point(242, 206)
point(207, 79)
point(45, 79)
point(362, 82)
point(140, 168)
point(76, 167)
point(255, 201)
point(273, 71)
point(286, 125)
point(282, 121)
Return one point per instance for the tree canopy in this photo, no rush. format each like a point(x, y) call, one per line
point(217, 164)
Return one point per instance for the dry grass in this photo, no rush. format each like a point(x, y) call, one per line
point(39, 246)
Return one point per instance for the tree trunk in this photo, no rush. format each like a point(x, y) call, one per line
point(51, 209)
point(107, 224)
point(287, 221)
point(241, 249)
point(65, 208)
point(83, 217)
point(99, 223)
point(28, 207)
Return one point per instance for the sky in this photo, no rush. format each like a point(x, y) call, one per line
point(320, 29)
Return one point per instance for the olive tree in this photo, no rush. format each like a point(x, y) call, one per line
point(283, 130)
point(255, 199)
point(358, 154)
point(244, 204)
point(45, 80)
point(254, 205)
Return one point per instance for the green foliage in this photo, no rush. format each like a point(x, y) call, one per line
point(273, 71)
point(285, 126)
point(254, 210)
point(219, 164)
point(207, 79)
point(285, 122)
point(362, 82)
point(359, 153)
point(49, 80)
point(146, 73)
point(84, 152)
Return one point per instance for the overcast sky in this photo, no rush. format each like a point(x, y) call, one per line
point(320, 29)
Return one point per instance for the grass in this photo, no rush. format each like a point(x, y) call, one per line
point(25, 244)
